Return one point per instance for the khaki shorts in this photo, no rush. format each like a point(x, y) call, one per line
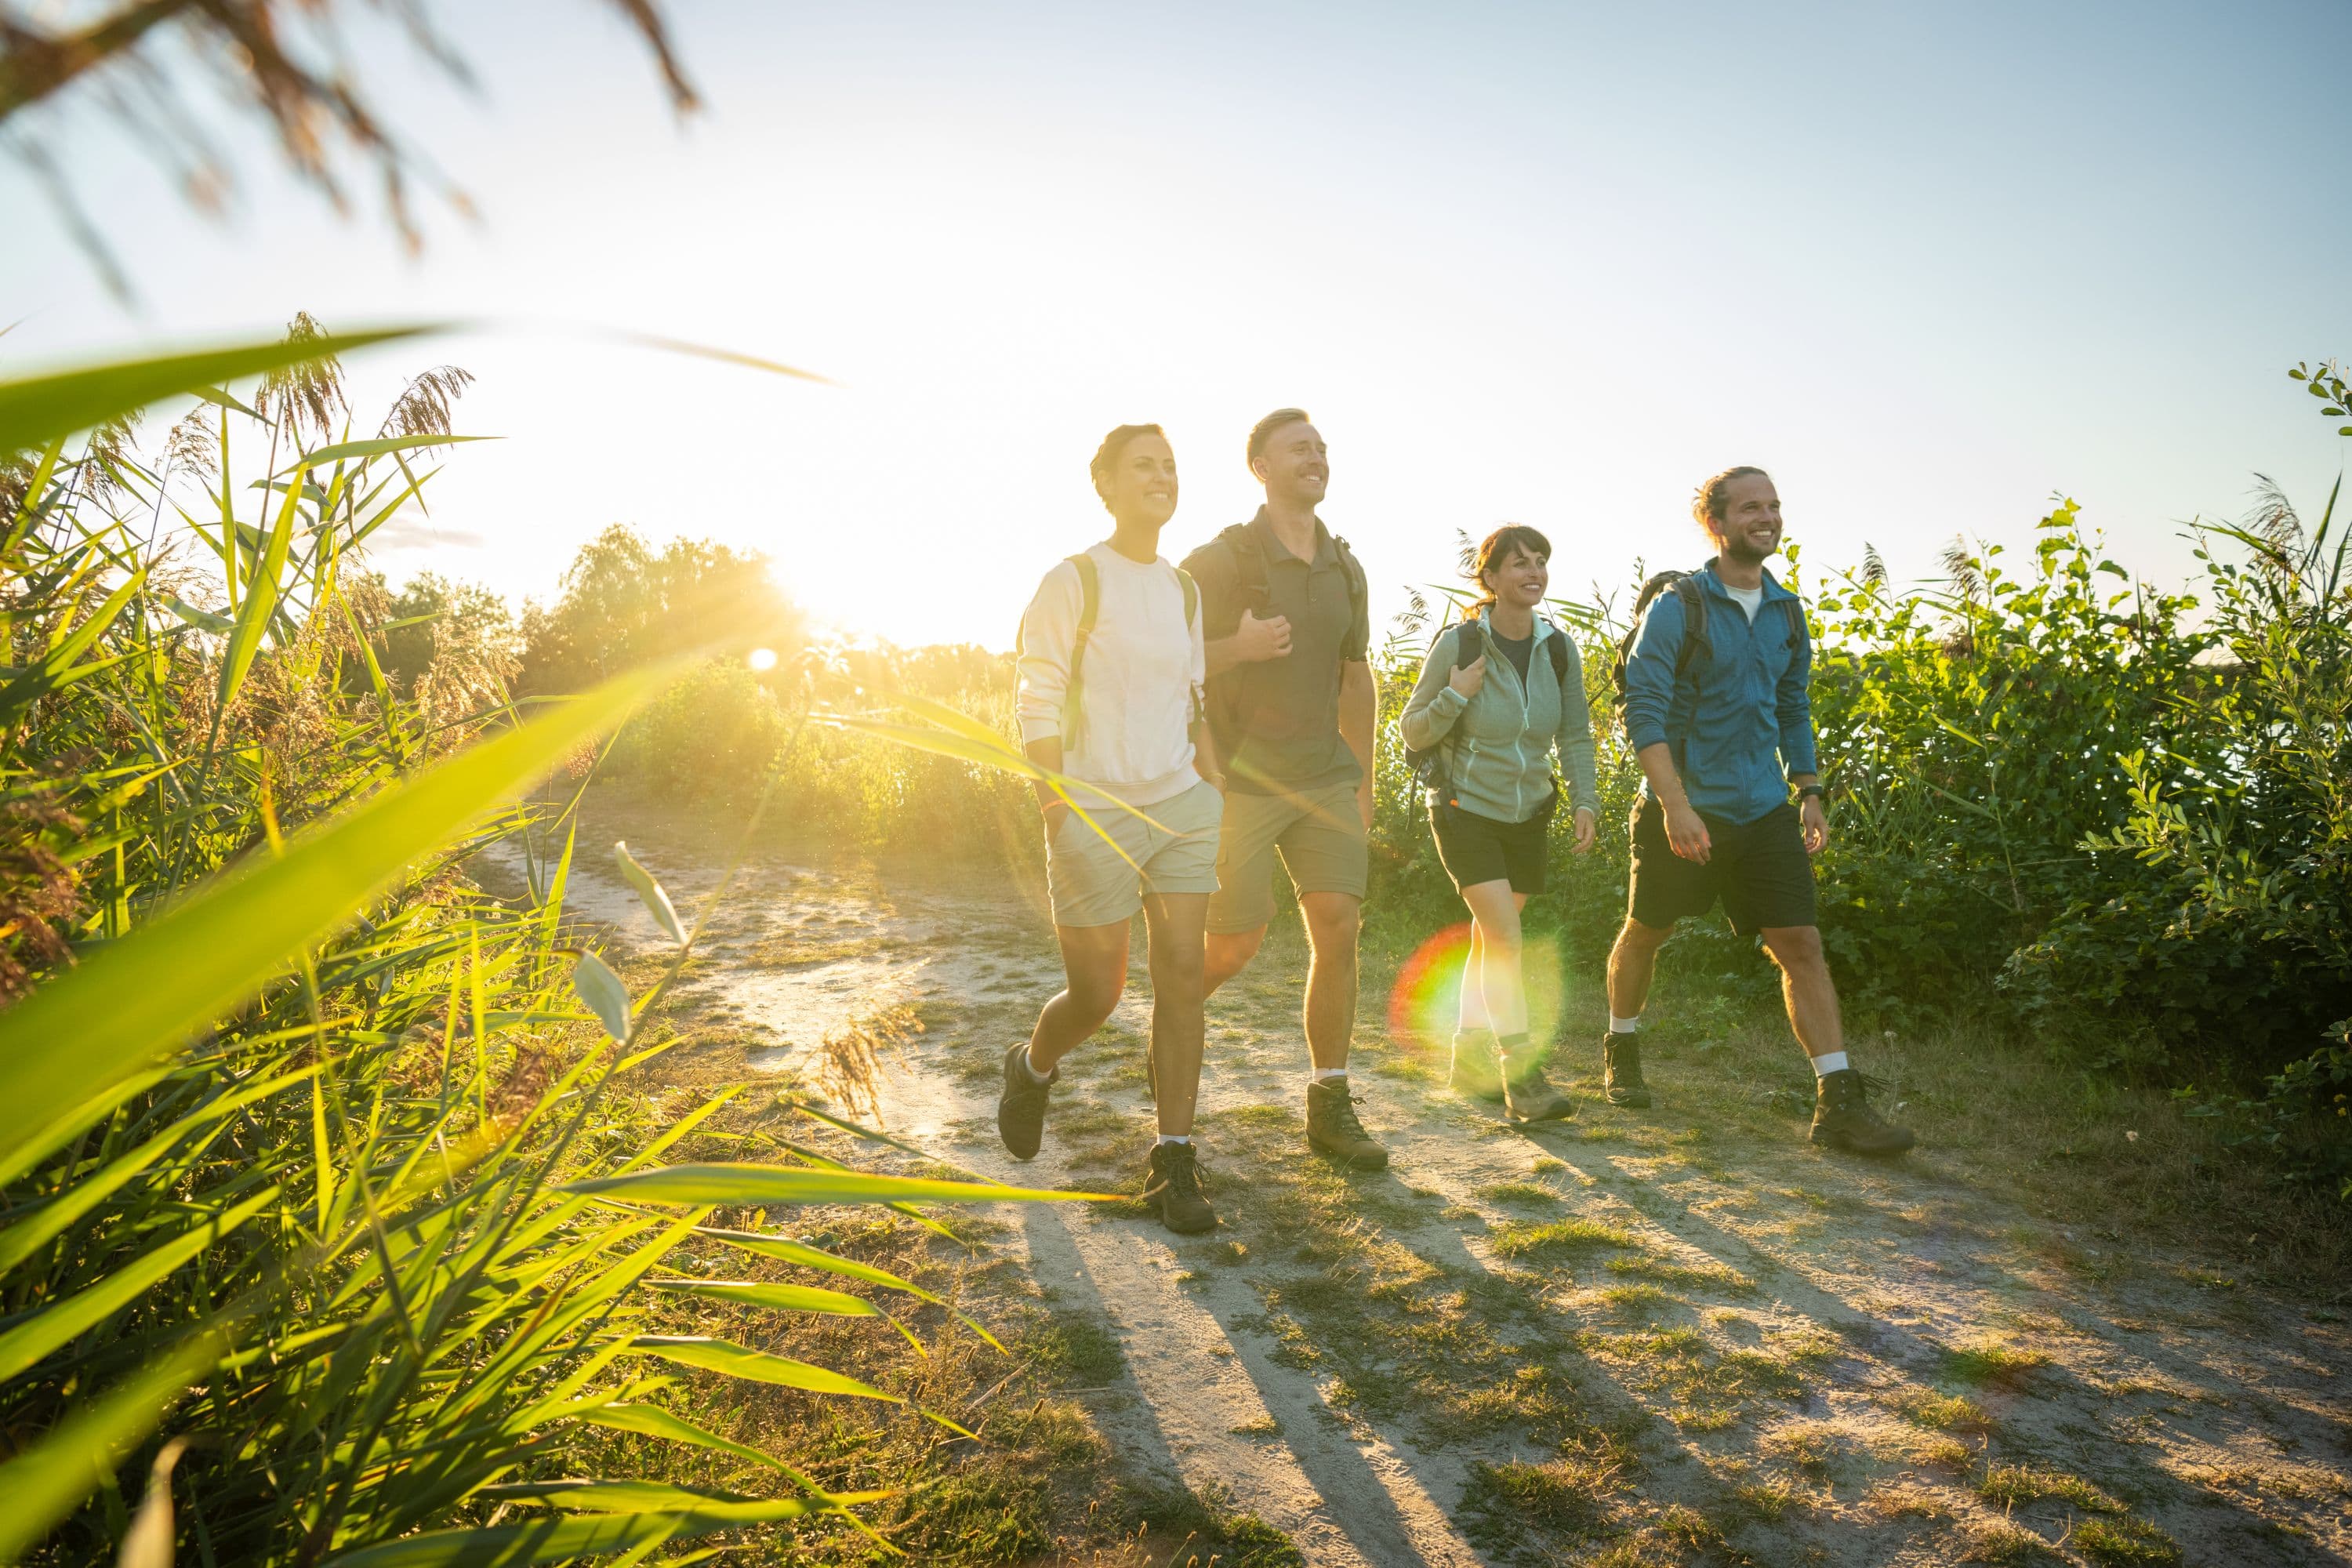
point(1092, 884)
point(1319, 834)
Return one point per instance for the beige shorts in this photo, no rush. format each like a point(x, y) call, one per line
point(1322, 839)
point(1093, 884)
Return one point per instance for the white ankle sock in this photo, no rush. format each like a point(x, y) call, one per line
point(1175, 1137)
point(1324, 1075)
point(1829, 1062)
point(1617, 1025)
point(1030, 1068)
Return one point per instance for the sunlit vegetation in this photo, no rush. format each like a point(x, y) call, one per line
point(340, 1173)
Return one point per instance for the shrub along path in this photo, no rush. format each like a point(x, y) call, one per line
point(1673, 1336)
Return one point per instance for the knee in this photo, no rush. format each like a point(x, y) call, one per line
point(1096, 997)
point(1638, 938)
point(1176, 973)
point(1228, 951)
point(1797, 949)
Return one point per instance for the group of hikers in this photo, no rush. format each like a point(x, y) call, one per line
point(1223, 713)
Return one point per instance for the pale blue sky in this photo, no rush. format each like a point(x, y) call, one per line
point(1548, 264)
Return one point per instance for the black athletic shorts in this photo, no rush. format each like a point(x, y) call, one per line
point(1477, 849)
point(1758, 869)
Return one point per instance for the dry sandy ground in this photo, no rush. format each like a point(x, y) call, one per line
point(1684, 1336)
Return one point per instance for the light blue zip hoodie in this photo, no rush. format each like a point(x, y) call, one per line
point(1498, 745)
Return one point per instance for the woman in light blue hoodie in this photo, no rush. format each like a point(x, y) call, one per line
point(1501, 693)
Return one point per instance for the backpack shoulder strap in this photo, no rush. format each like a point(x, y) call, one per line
point(1359, 586)
point(1191, 597)
point(1089, 607)
point(1693, 603)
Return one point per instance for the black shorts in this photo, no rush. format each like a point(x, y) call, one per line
point(1758, 869)
point(1477, 849)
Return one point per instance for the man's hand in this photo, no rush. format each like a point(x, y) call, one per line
point(1255, 641)
point(1587, 830)
point(1815, 824)
point(1687, 834)
point(1467, 680)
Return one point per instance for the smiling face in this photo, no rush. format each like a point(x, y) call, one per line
point(1749, 528)
point(1294, 466)
point(1140, 486)
point(1519, 581)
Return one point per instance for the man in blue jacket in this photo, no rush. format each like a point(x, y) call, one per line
point(1718, 716)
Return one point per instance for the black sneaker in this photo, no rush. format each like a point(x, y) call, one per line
point(1333, 1128)
point(1020, 1109)
point(1171, 1185)
point(1620, 1071)
point(1843, 1118)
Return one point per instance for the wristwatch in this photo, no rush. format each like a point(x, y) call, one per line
point(1807, 792)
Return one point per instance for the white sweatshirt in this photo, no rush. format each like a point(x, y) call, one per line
point(1140, 681)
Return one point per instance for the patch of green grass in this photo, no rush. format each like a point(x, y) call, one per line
point(1766, 1502)
point(1546, 1165)
point(2002, 1543)
point(1942, 1412)
point(1077, 1350)
point(1406, 1069)
point(1643, 1300)
point(2009, 1485)
point(1704, 1276)
point(1209, 1532)
point(2125, 1543)
point(1565, 1498)
point(1560, 1239)
point(1518, 1192)
point(1992, 1361)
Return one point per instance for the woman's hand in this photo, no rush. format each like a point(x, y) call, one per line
point(1587, 830)
point(1467, 680)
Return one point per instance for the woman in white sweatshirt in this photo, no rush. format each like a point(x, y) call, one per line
point(1111, 667)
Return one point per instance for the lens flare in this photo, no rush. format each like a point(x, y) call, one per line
point(1423, 1004)
point(761, 660)
point(1427, 997)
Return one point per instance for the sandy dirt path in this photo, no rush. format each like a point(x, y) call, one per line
point(1684, 1336)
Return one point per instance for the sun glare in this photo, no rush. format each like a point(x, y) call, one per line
point(761, 660)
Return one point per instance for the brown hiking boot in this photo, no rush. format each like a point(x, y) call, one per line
point(1332, 1127)
point(1527, 1095)
point(1171, 1185)
point(1620, 1071)
point(1474, 1072)
point(1843, 1118)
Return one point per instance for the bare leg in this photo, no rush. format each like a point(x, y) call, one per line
point(1806, 984)
point(1471, 1012)
point(1495, 912)
point(1227, 953)
point(1094, 958)
point(1174, 922)
point(1631, 962)
point(1333, 923)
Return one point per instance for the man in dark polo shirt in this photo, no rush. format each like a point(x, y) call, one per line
point(1290, 698)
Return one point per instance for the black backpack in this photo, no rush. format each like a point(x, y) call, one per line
point(1428, 765)
point(1685, 586)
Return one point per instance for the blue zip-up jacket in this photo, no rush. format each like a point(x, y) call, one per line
point(1741, 722)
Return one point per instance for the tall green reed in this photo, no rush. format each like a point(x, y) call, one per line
point(322, 1185)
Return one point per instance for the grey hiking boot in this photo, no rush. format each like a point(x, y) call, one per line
point(1843, 1118)
point(1171, 1185)
point(1020, 1109)
point(1475, 1073)
point(1332, 1127)
point(1527, 1095)
point(1620, 1071)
